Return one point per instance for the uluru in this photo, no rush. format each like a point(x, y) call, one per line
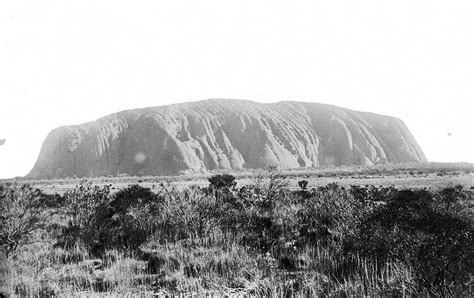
point(224, 134)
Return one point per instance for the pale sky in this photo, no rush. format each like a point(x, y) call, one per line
point(68, 62)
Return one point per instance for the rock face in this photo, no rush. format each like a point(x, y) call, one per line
point(224, 134)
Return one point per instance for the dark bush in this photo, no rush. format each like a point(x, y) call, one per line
point(155, 264)
point(129, 218)
point(132, 196)
point(420, 231)
point(101, 221)
point(303, 184)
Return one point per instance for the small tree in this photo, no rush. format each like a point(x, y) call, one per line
point(222, 181)
point(303, 184)
point(21, 213)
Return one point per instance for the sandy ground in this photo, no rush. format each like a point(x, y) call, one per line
point(399, 181)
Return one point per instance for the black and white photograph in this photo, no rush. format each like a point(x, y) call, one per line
point(246, 148)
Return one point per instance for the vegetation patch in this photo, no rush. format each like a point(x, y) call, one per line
point(263, 238)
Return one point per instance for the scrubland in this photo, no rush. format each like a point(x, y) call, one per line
point(265, 238)
point(429, 175)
